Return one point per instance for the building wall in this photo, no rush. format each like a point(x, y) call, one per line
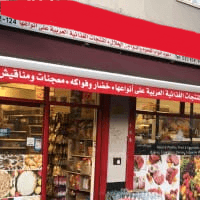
point(118, 138)
point(165, 12)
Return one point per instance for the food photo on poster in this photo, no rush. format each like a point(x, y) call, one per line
point(190, 177)
point(139, 169)
point(161, 175)
point(34, 180)
point(20, 175)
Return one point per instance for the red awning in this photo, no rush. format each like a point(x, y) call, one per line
point(68, 65)
point(40, 47)
point(99, 22)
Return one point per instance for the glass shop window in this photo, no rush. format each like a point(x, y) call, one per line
point(187, 108)
point(174, 129)
point(145, 128)
point(196, 130)
point(21, 129)
point(196, 109)
point(71, 153)
point(71, 96)
point(169, 106)
point(23, 91)
point(145, 104)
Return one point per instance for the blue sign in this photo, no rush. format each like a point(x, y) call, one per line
point(4, 132)
point(38, 144)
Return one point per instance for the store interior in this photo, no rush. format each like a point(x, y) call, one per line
point(71, 142)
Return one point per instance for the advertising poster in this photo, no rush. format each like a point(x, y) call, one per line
point(18, 170)
point(158, 174)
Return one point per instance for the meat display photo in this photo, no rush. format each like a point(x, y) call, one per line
point(155, 176)
point(154, 159)
point(163, 175)
point(139, 183)
point(139, 162)
point(139, 179)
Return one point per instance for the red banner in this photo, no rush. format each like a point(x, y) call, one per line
point(98, 22)
point(14, 75)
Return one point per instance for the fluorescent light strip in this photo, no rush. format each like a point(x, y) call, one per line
point(88, 73)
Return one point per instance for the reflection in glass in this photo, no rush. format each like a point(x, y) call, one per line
point(71, 96)
point(146, 104)
point(196, 130)
point(145, 128)
point(17, 123)
point(196, 109)
point(169, 106)
point(23, 91)
point(174, 129)
point(187, 108)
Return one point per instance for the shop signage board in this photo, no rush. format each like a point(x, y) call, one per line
point(94, 39)
point(171, 176)
point(30, 141)
point(14, 75)
point(174, 148)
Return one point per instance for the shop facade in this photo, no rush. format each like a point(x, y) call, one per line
point(35, 144)
point(60, 118)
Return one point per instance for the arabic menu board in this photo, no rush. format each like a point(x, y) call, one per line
point(93, 85)
point(18, 170)
point(160, 174)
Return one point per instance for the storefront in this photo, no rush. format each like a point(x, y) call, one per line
point(54, 130)
point(39, 123)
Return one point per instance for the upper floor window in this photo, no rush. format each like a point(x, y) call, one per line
point(195, 3)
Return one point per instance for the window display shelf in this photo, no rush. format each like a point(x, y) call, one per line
point(37, 134)
point(84, 139)
point(71, 172)
point(196, 139)
point(24, 115)
point(80, 190)
point(81, 156)
point(18, 131)
point(17, 148)
point(12, 140)
point(38, 125)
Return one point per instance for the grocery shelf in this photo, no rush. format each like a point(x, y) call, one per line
point(37, 134)
point(24, 115)
point(71, 172)
point(85, 139)
point(18, 131)
point(82, 156)
point(81, 190)
point(12, 140)
point(17, 148)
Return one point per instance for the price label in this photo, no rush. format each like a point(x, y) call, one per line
point(38, 144)
point(30, 141)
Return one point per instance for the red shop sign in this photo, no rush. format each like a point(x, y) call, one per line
point(14, 75)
